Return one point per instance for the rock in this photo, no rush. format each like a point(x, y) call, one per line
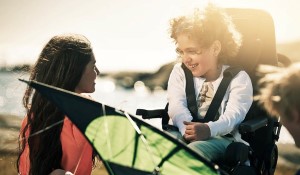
point(9, 133)
point(158, 79)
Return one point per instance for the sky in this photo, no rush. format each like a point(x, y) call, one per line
point(126, 35)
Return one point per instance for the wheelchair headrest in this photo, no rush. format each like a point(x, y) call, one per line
point(259, 45)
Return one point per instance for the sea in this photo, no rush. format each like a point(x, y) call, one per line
point(107, 92)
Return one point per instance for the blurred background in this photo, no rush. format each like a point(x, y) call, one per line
point(126, 35)
point(130, 39)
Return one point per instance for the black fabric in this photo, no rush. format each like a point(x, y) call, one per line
point(236, 153)
point(165, 119)
point(122, 170)
point(244, 170)
point(190, 93)
point(228, 75)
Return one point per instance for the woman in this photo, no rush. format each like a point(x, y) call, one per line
point(68, 62)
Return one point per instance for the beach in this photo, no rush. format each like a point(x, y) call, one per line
point(288, 161)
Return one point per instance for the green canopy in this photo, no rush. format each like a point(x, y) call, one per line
point(126, 144)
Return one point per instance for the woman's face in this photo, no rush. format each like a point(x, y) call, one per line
point(200, 61)
point(292, 124)
point(87, 81)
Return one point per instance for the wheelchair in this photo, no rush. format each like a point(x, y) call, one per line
point(259, 129)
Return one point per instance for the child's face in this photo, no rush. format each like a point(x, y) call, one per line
point(201, 61)
point(87, 81)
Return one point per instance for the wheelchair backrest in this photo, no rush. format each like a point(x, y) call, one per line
point(259, 47)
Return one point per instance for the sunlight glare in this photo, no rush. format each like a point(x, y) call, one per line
point(140, 88)
point(105, 85)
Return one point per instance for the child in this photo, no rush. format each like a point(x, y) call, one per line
point(49, 141)
point(206, 41)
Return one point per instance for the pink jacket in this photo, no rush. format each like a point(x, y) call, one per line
point(77, 152)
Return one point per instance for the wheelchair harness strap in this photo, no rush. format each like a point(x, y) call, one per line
point(228, 75)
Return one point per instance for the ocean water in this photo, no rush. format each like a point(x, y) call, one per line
point(12, 91)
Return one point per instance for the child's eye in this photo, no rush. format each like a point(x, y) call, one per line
point(194, 52)
point(179, 52)
point(191, 52)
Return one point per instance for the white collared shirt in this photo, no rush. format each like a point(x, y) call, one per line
point(233, 109)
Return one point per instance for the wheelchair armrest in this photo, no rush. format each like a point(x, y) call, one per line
point(148, 114)
point(252, 125)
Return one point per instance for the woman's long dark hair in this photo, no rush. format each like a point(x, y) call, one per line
point(61, 64)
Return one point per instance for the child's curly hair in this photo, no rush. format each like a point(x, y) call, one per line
point(207, 26)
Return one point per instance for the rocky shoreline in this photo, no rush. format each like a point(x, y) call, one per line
point(288, 160)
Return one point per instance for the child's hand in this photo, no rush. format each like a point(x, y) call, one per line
point(196, 131)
